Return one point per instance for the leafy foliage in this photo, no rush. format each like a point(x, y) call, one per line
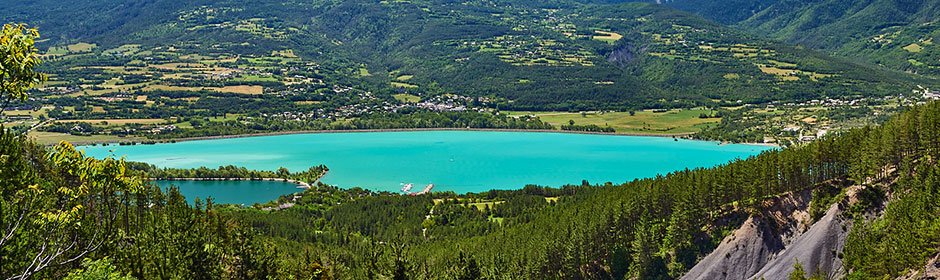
point(18, 60)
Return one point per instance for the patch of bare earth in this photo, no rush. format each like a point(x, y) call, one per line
point(749, 248)
point(770, 242)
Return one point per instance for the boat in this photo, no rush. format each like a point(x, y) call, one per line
point(407, 187)
point(427, 189)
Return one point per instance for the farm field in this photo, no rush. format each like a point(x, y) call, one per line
point(672, 122)
point(51, 138)
point(117, 121)
point(408, 98)
point(403, 85)
point(32, 113)
point(606, 36)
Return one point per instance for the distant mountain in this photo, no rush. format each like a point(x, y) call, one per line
point(542, 55)
point(726, 12)
point(899, 34)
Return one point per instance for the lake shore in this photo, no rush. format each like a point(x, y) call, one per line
point(300, 184)
point(454, 161)
point(172, 140)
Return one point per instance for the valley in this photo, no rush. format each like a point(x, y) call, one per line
point(618, 58)
point(480, 139)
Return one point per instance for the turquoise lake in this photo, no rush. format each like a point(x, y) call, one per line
point(232, 192)
point(460, 161)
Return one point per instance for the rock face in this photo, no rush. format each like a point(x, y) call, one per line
point(769, 244)
point(752, 246)
point(816, 249)
point(740, 255)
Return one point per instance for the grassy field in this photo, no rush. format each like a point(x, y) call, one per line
point(129, 49)
point(285, 53)
point(403, 85)
point(482, 205)
point(117, 121)
point(32, 113)
point(606, 36)
point(81, 47)
point(73, 48)
point(49, 138)
point(243, 89)
point(407, 98)
point(672, 122)
point(914, 48)
point(255, 78)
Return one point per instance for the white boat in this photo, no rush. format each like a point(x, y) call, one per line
point(407, 187)
point(427, 189)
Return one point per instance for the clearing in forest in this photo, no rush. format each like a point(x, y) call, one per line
point(606, 36)
point(672, 122)
point(407, 98)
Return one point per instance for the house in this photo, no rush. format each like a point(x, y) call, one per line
point(927, 93)
point(933, 95)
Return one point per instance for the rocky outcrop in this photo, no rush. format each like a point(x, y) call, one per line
point(753, 245)
point(768, 244)
point(740, 255)
point(817, 249)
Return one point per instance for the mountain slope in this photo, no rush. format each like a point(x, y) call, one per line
point(754, 244)
point(833, 23)
point(768, 245)
point(582, 56)
point(895, 33)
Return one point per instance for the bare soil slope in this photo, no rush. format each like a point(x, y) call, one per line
point(817, 249)
point(749, 248)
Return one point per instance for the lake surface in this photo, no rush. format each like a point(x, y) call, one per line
point(460, 161)
point(232, 192)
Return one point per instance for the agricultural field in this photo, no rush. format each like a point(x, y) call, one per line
point(680, 43)
point(671, 122)
point(403, 85)
point(407, 98)
point(31, 113)
point(606, 36)
point(524, 51)
point(174, 68)
point(116, 122)
point(72, 49)
point(51, 138)
point(588, 59)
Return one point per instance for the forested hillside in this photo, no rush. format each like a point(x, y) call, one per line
point(896, 34)
point(611, 56)
point(874, 190)
point(67, 214)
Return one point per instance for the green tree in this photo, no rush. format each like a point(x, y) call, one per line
point(18, 60)
point(798, 272)
point(59, 213)
point(283, 172)
point(97, 270)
